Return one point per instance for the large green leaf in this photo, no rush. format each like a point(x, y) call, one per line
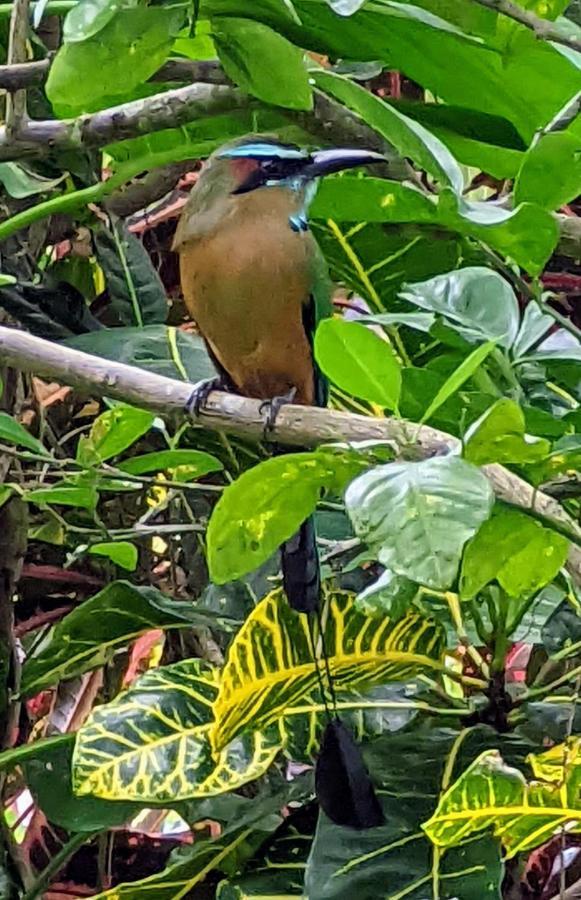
point(254, 822)
point(48, 775)
point(358, 361)
point(499, 436)
point(374, 260)
point(65, 493)
point(551, 171)
point(523, 80)
point(407, 136)
point(267, 504)
point(113, 432)
point(410, 770)
point(270, 665)
point(490, 794)
point(514, 550)
point(263, 62)
point(72, 86)
point(151, 743)
point(156, 348)
point(477, 302)
point(416, 517)
point(88, 636)
point(528, 233)
point(135, 290)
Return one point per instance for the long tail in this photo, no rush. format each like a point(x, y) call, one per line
point(301, 574)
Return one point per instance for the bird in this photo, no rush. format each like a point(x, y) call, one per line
point(256, 284)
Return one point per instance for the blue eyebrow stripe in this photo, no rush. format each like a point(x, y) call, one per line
point(263, 151)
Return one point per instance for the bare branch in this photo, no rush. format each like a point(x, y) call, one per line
point(296, 425)
point(18, 34)
point(23, 75)
point(542, 28)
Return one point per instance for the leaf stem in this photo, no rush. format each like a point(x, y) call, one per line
point(547, 688)
point(454, 606)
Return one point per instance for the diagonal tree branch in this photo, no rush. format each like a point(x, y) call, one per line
point(296, 425)
point(543, 28)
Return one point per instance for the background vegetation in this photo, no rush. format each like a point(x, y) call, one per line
point(139, 600)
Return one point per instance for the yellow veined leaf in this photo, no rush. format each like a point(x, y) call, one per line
point(557, 764)
point(270, 665)
point(151, 743)
point(490, 794)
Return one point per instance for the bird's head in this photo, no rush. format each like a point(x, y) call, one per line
point(257, 163)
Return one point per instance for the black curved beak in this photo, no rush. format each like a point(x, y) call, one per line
point(325, 162)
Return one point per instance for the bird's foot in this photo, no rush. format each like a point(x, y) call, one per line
point(201, 392)
point(271, 408)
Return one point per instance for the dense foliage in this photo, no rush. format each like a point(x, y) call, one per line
point(159, 705)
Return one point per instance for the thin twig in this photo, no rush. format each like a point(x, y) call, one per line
point(542, 28)
point(16, 102)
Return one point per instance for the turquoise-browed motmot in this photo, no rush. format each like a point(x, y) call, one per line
point(256, 284)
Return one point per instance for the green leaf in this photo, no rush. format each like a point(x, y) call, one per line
point(135, 289)
point(416, 517)
point(89, 635)
point(155, 348)
point(534, 326)
point(267, 504)
point(465, 370)
point(21, 182)
point(348, 199)
point(89, 17)
point(551, 172)
point(122, 553)
point(359, 361)
point(48, 775)
point(390, 595)
point(527, 234)
point(17, 755)
point(278, 868)
point(186, 465)
point(151, 744)
point(407, 136)
point(374, 260)
point(408, 769)
point(147, 33)
point(514, 550)
point(499, 437)
point(492, 794)
point(65, 494)
point(477, 302)
point(113, 432)
point(189, 865)
point(262, 62)
point(12, 432)
point(269, 668)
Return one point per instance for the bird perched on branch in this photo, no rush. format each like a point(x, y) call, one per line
point(256, 284)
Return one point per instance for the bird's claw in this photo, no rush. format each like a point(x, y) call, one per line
point(201, 392)
point(271, 408)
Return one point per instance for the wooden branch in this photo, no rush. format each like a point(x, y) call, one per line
point(296, 425)
point(542, 28)
point(128, 120)
point(23, 75)
point(18, 35)
point(208, 71)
